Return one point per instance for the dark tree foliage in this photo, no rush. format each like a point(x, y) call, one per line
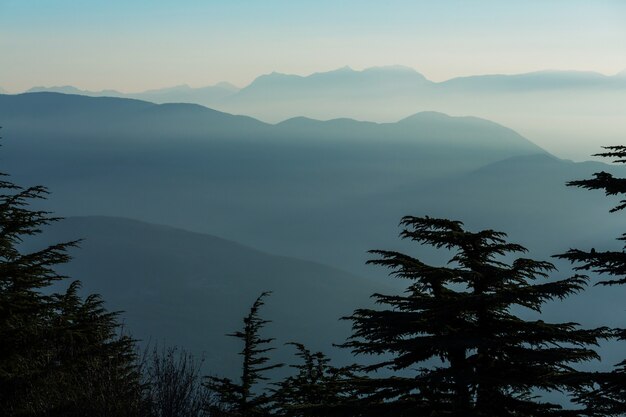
point(608, 263)
point(59, 354)
point(454, 339)
point(318, 389)
point(240, 399)
point(610, 396)
point(101, 376)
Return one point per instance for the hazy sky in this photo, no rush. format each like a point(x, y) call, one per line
point(132, 45)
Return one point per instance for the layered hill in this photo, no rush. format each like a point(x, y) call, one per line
point(189, 289)
point(326, 191)
point(571, 113)
point(209, 95)
point(283, 187)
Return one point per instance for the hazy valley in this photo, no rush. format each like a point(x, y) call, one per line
point(318, 192)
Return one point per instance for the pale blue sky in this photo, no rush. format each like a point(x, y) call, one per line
point(133, 45)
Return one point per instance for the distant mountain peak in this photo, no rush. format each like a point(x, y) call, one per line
point(345, 68)
point(392, 68)
point(298, 119)
point(180, 87)
point(443, 118)
point(227, 86)
point(276, 75)
point(426, 115)
point(67, 89)
point(70, 89)
point(340, 79)
point(349, 69)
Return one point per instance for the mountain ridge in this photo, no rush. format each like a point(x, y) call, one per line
point(535, 104)
point(191, 289)
point(132, 158)
point(80, 100)
point(388, 69)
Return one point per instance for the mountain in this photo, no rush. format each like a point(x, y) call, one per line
point(526, 197)
point(78, 114)
point(534, 81)
point(393, 84)
point(341, 82)
point(206, 96)
point(190, 289)
point(396, 82)
point(68, 89)
point(327, 95)
point(200, 169)
point(541, 105)
point(386, 82)
point(326, 191)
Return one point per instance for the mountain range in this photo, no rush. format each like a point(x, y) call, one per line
point(177, 94)
point(235, 176)
point(300, 188)
point(386, 81)
point(320, 191)
point(570, 113)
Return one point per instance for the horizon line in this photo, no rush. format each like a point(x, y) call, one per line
point(310, 74)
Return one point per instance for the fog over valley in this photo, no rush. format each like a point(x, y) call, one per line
point(312, 209)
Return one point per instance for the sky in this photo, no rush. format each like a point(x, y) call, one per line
point(134, 45)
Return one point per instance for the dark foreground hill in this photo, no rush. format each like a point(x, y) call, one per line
point(189, 289)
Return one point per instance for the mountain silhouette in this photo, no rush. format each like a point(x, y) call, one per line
point(190, 289)
point(540, 105)
point(197, 168)
point(326, 191)
point(534, 81)
point(206, 96)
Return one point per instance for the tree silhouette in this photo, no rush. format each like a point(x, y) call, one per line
point(100, 372)
point(239, 399)
point(455, 340)
point(318, 389)
point(59, 354)
point(610, 397)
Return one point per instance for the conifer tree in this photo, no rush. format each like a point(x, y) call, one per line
point(100, 375)
point(240, 398)
point(59, 354)
point(454, 340)
point(318, 389)
point(610, 396)
point(25, 310)
point(609, 263)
